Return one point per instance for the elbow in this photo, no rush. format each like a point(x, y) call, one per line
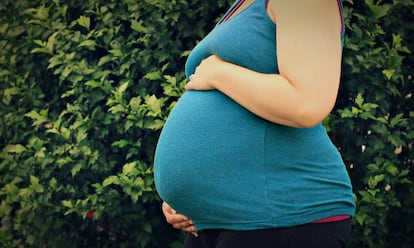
point(310, 117)
point(307, 122)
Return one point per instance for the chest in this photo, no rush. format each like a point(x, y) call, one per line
point(248, 39)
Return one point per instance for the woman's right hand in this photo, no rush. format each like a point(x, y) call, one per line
point(177, 220)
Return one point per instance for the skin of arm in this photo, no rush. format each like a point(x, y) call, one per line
point(309, 58)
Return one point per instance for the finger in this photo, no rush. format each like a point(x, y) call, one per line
point(187, 228)
point(190, 229)
point(188, 86)
point(178, 219)
point(173, 217)
point(165, 206)
point(167, 210)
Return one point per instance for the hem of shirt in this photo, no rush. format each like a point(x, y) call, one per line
point(273, 222)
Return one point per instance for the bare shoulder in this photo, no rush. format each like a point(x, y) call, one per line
point(320, 12)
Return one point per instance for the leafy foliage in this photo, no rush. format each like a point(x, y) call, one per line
point(85, 88)
point(373, 122)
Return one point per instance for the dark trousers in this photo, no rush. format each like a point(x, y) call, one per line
point(313, 235)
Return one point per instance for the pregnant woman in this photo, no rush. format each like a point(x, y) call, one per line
point(243, 159)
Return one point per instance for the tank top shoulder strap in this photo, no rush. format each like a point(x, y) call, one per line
point(341, 12)
point(230, 11)
point(236, 5)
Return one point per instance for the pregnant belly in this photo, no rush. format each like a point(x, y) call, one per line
point(209, 156)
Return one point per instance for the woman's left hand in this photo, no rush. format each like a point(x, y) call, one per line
point(203, 77)
point(178, 220)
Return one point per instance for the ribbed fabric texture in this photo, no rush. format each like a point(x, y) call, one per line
point(224, 167)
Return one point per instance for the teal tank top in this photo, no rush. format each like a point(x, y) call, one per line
point(224, 167)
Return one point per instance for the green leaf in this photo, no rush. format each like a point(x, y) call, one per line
point(135, 103)
point(359, 100)
point(105, 59)
point(121, 143)
point(137, 26)
point(118, 109)
point(40, 153)
point(68, 93)
point(34, 180)
point(84, 21)
point(67, 204)
point(30, 239)
point(65, 133)
point(346, 113)
point(116, 52)
point(38, 118)
point(8, 94)
point(129, 168)
point(93, 84)
point(89, 44)
point(377, 10)
point(51, 42)
point(388, 73)
point(53, 183)
point(398, 119)
point(392, 169)
point(40, 43)
point(395, 139)
point(110, 180)
point(123, 87)
point(355, 111)
point(81, 135)
point(41, 50)
point(66, 71)
point(15, 149)
point(154, 105)
point(147, 228)
point(373, 181)
point(76, 169)
point(154, 124)
point(153, 75)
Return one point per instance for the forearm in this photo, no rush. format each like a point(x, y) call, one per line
point(270, 96)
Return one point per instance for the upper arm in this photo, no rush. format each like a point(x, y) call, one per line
point(309, 49)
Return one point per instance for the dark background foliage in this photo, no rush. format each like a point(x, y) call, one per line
point(85, 87)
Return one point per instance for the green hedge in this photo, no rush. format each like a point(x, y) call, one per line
point(85, 88)
point(374, 120)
